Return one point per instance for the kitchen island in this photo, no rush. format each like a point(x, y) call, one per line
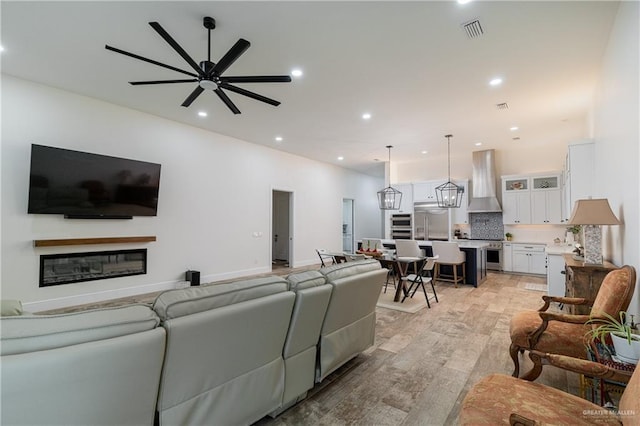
point(476, 261)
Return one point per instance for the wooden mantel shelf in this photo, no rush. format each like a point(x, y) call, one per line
point(98, 240)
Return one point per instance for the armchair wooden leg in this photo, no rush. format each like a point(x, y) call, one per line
point(513, 351)
point(535, 372)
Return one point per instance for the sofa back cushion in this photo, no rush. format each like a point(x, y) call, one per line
point(349, 325)
point(86, 368)
point(30, 333)
point(223, 362)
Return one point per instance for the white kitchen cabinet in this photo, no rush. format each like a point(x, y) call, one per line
point(546, 200)
point(579, 170)
point(425, 192)
point(529, 258)
point(532, 199)
point(555, 275)
point(516, 207)
point(461, 214)
point(406, 204)
point(546, 207)
point(507, 257)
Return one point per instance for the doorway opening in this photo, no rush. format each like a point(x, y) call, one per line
point(348, 242)
point(281, 229)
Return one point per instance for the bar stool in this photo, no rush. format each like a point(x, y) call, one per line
point(449, 254)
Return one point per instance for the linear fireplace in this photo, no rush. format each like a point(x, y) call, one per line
point(56, 269)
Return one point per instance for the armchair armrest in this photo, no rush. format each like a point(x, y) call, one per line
point(566, 300)
point(516, 419)
point(581, 366)
point(552, 316)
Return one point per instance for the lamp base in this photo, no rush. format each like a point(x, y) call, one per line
point(592, 244)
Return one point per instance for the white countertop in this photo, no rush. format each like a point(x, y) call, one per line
point(461, 243)
point(558, 249)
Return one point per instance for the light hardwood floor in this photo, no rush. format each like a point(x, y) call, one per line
point(422, 365)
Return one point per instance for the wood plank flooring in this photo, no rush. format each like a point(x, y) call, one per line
point(422, 365)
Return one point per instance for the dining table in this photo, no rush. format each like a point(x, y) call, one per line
point(400, 268)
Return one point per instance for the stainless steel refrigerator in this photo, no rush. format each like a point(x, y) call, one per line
point(430, 222)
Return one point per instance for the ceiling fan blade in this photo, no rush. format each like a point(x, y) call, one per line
point(192, 97)
point(258, 79)
point(230, 57)
point(252, 95)
point(165, 35)
point(223, 96)
point(151, 61)
point(139, 83)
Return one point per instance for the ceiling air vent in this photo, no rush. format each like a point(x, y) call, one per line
point(502, 106)
point(473, 28)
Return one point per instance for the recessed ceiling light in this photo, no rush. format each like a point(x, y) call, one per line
point(297, 72)
point(496, 81)
point(423, 152)
point(202, 113)
point(278, 138)
point(464, 1)
point(478, 143)
point(340, 158)
point(514, 128)
point(1, 48)
point(366, 116)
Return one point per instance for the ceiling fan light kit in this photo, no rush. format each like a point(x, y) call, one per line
point(208, 74)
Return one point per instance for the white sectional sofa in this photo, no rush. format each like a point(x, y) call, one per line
point(224, 354)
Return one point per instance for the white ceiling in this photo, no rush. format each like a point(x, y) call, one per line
point(410, 64)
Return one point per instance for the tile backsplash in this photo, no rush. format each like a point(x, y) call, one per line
point(486, 226)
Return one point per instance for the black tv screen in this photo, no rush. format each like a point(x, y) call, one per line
point(81, 184)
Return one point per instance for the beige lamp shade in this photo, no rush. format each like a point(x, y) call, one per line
point(593, 212)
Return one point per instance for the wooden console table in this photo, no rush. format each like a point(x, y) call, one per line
point(584, 280)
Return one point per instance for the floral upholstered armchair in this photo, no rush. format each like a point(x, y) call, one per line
point(500, 399)
point(564, 334)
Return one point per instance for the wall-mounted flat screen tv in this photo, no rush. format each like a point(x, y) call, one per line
point(84, 185)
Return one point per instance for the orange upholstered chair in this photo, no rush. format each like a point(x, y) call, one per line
point(564, 334)
point(502, 400)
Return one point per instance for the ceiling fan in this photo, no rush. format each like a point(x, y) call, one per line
point(208, 74)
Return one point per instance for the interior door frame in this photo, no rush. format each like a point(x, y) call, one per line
point(291, 223)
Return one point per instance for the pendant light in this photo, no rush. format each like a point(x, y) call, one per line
point(449, 194)
point(389, 198)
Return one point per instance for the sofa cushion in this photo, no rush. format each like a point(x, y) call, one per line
point(32, 333)
point(191, 300)
point(492, 400)
point(10, 308)
point(347, 269)
point(307, 279)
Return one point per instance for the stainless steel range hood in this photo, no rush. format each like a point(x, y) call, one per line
point(483, 183)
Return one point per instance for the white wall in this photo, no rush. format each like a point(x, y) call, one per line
point(215, 192)
point(617, 139)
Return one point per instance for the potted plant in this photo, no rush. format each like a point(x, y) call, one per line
point(625, 337)
point(509, 236)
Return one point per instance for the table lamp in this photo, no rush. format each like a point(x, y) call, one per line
point(591, 214)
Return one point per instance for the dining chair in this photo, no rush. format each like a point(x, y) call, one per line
point(324, 255)
point(424, 265)
point(408, 248)
point(449, 254)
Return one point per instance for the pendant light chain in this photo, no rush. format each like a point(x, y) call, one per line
point(449, 195)
point(389, 198)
